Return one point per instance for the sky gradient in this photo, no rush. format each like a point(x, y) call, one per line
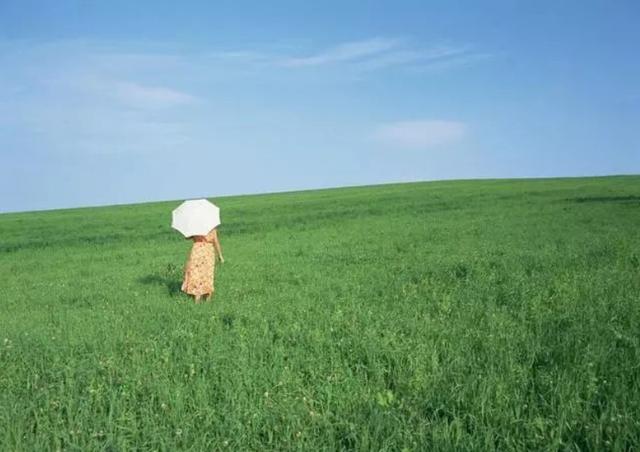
point(122, 102)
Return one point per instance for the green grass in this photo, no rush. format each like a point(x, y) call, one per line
point(464, 315)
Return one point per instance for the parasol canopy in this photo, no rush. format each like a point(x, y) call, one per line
point(195, 217)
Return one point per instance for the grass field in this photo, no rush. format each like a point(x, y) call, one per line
point(463, 315)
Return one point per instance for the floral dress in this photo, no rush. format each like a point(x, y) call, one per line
point(199, 269)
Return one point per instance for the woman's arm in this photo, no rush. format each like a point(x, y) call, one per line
point(216, 244)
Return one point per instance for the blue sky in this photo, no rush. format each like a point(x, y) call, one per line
point(122, 102)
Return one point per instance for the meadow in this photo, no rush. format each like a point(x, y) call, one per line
point(456, 315)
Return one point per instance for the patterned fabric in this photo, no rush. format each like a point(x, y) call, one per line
point(199, 269)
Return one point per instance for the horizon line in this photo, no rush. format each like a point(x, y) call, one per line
point(304, 190)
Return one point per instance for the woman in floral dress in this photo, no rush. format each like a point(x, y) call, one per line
point(200, 266)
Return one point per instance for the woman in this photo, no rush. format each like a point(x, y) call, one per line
point(199, 270)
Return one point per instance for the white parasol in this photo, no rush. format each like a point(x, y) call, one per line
point(195, 217)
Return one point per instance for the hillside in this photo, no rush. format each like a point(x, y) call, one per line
point(491, 314)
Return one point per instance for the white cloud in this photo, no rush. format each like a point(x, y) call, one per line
point(241, 56)
point(364, 55)
point(455, 60)
point(420, 134)
point(144, 96)
point(348, 51)
point(97, 98)
point(413, 58)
